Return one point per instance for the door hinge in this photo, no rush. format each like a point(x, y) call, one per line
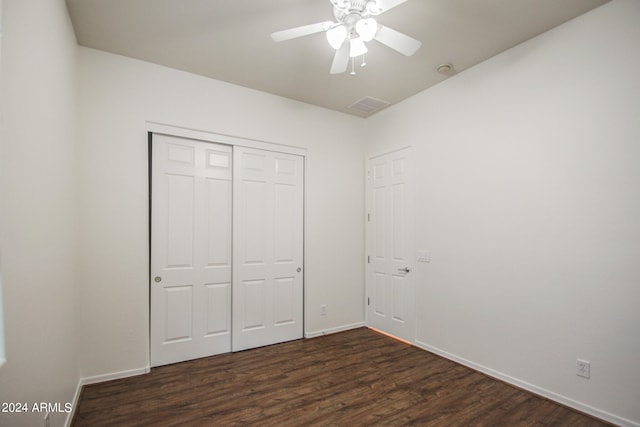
point(368, 217)
point(368, 301)
point(368, 259)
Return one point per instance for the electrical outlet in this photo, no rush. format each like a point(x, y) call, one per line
point(323, 310)
point(583, 368)
point(47, 422)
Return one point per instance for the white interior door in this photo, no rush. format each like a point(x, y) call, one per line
point(390, 244)
point(191, 191)
point(268, 248)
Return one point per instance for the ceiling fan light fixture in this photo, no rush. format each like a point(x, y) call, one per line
point(358, 48)
point(336, 36)
point(367, 28)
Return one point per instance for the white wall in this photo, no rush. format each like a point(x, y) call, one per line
point(528, 185)
point(37, 184)
point(527, 198)
point(117, 96)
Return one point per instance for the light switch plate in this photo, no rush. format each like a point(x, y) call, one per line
point(423, 256)
point(583, 368)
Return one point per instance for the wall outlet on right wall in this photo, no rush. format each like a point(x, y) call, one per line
point(583, 368)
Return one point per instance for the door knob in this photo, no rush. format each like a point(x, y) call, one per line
point(405, 270)
point(157, 279)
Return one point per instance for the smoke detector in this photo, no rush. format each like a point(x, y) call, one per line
point(446, 69)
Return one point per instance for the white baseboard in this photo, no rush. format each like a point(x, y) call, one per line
point(74, 404)
point(334, 330)
point(100, 379)
point(115, 375)
point(578, 406)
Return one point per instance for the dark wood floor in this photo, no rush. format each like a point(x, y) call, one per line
point(352, 378)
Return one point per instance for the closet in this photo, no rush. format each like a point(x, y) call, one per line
point(226, 248)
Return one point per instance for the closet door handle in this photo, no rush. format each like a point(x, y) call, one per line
point(405, 270)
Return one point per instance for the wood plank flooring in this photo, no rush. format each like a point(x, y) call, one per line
point(352, 378)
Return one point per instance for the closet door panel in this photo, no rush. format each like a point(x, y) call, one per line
point(191, 258)
point(268, 248)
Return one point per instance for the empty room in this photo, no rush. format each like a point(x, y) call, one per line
point(320, 212)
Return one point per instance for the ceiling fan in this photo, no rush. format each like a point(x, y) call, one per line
point(355, 25)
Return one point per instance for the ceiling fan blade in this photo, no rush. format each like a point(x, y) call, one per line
point(397, 41)
point(341, 59)
point(305, 30)
point(389, 4)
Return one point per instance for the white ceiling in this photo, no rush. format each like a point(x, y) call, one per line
point(230, 40)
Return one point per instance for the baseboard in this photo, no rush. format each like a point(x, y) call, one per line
point(115, 375)
point(578, 406)
point(334, 330)
point(100, 379)
point(74, 404)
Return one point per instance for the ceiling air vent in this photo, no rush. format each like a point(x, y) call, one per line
point(369, 105)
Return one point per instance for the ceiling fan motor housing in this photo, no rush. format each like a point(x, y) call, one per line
point(358, 7)
point(352, 12)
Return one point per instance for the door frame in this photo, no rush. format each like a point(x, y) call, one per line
point(368, 232)
point(206, 136)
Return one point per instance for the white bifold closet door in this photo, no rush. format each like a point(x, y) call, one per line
point(267, 248)
point(219, 212)
point(191, 217)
